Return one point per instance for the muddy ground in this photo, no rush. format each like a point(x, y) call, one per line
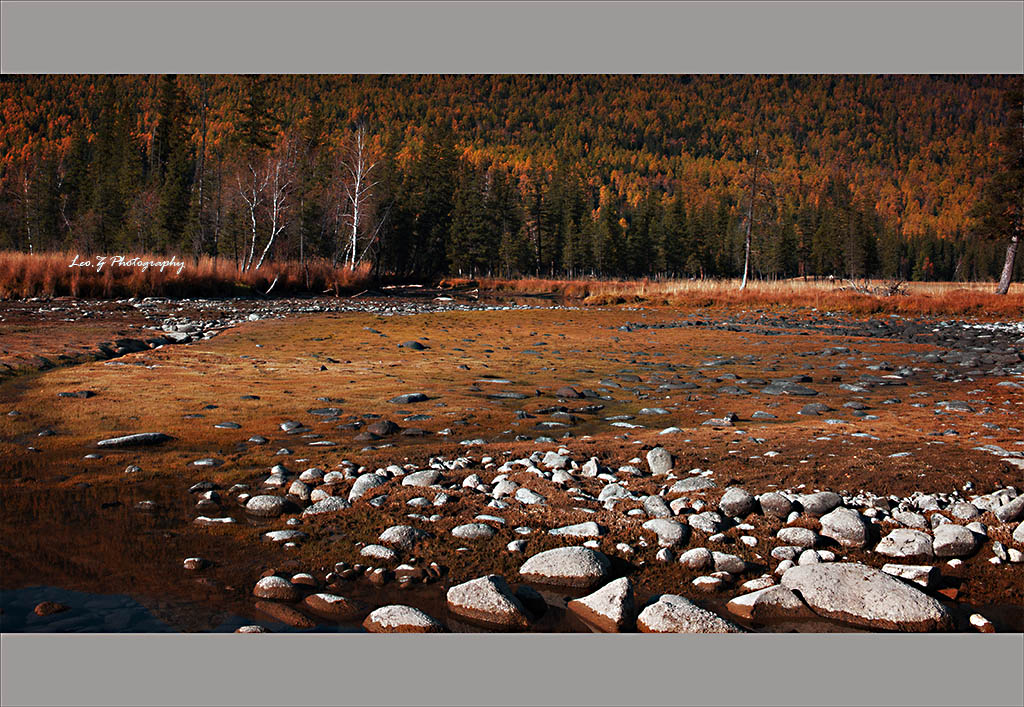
point(927, 395)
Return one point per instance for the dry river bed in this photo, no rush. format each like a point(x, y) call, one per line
point(437, 464)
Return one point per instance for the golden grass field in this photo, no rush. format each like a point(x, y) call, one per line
point(920, 298)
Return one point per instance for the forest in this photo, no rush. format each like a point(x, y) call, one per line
point(526, 175)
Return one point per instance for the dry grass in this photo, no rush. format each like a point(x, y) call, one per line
point(924, 298)
point(51, 275)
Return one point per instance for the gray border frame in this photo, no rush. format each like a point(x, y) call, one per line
point(521, 37)
point(527, 36)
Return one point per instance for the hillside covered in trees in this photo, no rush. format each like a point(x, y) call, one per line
point(422, 176)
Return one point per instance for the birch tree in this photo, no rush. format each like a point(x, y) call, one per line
point(357, 164)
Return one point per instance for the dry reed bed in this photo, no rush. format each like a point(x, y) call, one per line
point(25, 275)
point(924, 298)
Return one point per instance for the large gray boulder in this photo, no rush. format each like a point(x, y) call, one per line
point(675, 614)
point(776, 602)
point(567, 566)
point(403, 537)
point(363, 485)
point(863, 596)
point(818, 504)
point(398, 618)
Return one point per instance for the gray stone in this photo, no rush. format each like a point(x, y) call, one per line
point(675, 614)
point(860, 595)
point(845, 526)
point(1012, 511)
point(660, 461)
point(275, 587)
point(776, 505)
point(911, 520)
point(403, 537)
point(488, 599)
point(698, 558)
point(1018, 533)
point(473, 531)
point(364, 484)
point(906, 542)
point(694, 483)
point(818, 504)
point(265, 506)
point(724, 562)
point(925, 575)
point(611, 608)
point(398, 618)
point(330, 504)
point(528, 497)
point(953, 541)
point(707, 522)
point(737, 503)
point(589, 529)
point(671, 533)
point(427, 477)
point(800, 537)
point(141, 439)
point(656, 507)
point(964, 511)
point(567, 566)
point(774, 602)
point(380, 553)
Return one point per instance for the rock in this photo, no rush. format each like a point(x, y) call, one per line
point(141, 439)
point(925, 575)
point(671, 533)
point(863, 596)
point(724, 562)
point(330, 504)
point(265, 506)
point(659, 461)
point(403, 537)
point(567, 566)
point(905, 542)
point(1018, 533)
point(590, 468)
point(737, 503)
point(284, 536)
point(285, 614)
point(299, 489)
point(982, 624)
point(194, 564)
point(364, 484)
point(382, 428)
point(488, 599)
point(774, 602)
point(656, 507)
point(818, 504)
point(1012, 511)
point(407, 398)
point(428, 477)
point(776, 505)
point(589, 529)
point(380, 553)
point(707, 522)
point(48, 608)
point(336, 607)
point(695, 483)
point(845, 526)
point(528, 497)
point(274, 587)
point(952, 540)
point(611, 608)
point(699, 558)
point(964, 511)
point(252, 628)
point(797, 536)
point(911, 520)
point(568, 392)
point(554, 460)
point(397, 618)
point(674, 614)
point(473, 531)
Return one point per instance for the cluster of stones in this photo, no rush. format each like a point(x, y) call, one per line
point(813, 531)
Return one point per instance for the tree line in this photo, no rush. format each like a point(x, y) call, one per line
point(553, 176)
